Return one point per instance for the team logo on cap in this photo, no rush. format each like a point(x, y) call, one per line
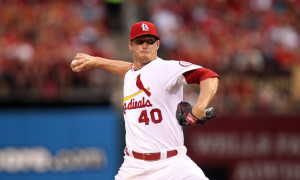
point(145, 27)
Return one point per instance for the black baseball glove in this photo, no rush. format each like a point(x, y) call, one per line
point(185, 116)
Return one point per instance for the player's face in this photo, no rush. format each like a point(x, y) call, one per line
point(144, 48)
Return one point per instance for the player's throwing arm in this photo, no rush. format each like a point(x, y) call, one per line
point(84, 62)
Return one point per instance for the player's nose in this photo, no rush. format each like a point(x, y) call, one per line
point(145, 45)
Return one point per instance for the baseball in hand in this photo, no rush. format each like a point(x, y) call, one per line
point(74, 64)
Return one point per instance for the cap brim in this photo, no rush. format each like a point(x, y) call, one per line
point(143, 35)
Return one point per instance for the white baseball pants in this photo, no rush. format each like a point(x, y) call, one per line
point(179, 167)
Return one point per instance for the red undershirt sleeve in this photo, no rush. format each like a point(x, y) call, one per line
point(198, 75)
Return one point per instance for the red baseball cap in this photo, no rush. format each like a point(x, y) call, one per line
point(143, 28)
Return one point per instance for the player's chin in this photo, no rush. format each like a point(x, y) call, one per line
point(145, 57)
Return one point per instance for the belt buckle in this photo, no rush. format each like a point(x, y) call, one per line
point(144, 155)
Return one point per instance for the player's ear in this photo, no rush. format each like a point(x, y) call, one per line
point(158, 43)
point(130, 45)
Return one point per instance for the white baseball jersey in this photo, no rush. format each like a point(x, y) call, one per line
point(151, 95)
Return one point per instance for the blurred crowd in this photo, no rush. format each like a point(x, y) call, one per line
point(38, 40)
point(252, 44)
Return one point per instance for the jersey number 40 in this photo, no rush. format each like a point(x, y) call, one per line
point(155, 115)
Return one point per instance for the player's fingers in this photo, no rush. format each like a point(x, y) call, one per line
point(77, 68)
point(80, 56)
point(73, 64)
point(80, 67)
point(76, 65)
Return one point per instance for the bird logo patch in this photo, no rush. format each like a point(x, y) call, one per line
point(140, 85)
point(136, 104)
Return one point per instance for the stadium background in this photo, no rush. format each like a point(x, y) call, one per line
point(56, 124)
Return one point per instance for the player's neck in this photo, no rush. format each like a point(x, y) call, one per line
point(139, 64)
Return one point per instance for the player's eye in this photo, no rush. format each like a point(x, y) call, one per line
point(148, 41)
point(139, 42)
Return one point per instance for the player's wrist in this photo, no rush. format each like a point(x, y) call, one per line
point(99, 61)
point(198, 112)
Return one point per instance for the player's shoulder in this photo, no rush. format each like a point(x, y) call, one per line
point(176, 63)
point(168, 62)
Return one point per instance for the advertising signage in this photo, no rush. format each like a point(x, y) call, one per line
point(249, 148)
point(68, 143)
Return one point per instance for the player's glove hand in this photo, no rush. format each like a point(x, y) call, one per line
point(185, 116)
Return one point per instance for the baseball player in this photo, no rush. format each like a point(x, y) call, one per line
point(152, 107)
